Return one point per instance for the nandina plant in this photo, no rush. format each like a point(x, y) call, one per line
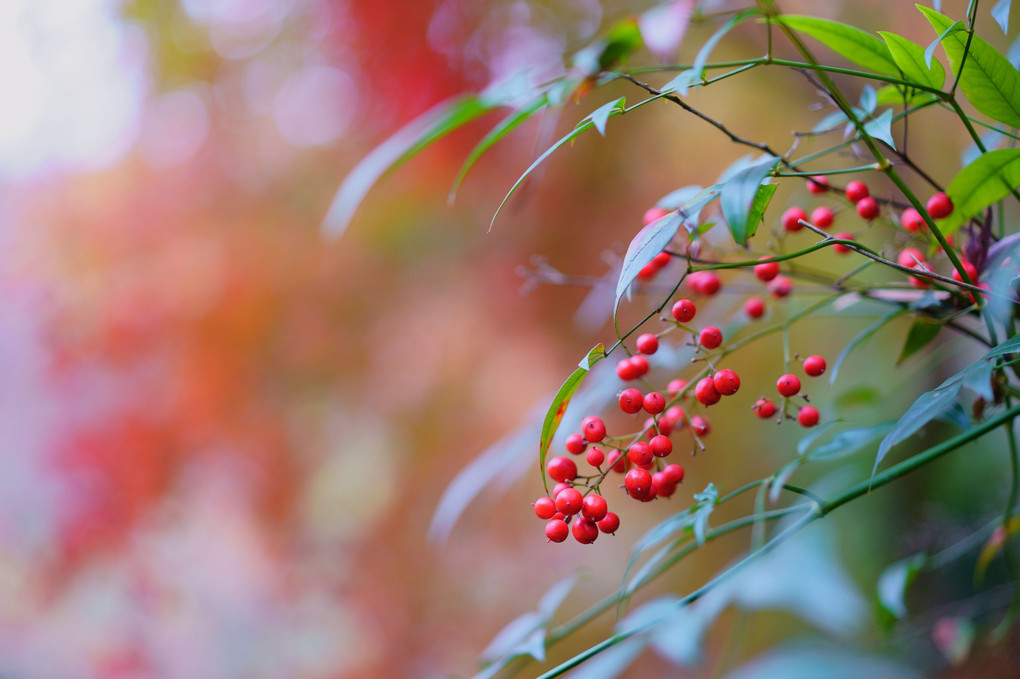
point(900, 248)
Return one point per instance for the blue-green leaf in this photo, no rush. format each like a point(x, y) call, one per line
point(1000, 12)
point(881, 128)
point(848, 442)
point(738, 195)
point(921, 333)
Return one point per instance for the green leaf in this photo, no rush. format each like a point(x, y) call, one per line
point(920, 334)
point(987, 180)
point(929, 51)
point(701, 58)
point(558, 408)
point(848, 41)
point(988, 80)
point(909, 57)
point(881, 128)
point(1010, 346)
point(848, 442)
point(620, 42)
point(600, 116)
point(706, 500)
point(758, 206)
point(738, 195)
point(860, 339)
point(893, 583)
point(1000, 12)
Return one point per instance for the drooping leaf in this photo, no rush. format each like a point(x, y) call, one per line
point(910, 58)
point(920, 334)
point(848, 442)
point(560, 402)
point(662, 531)
point(893, 583)
point(988, 80)
point(706, 500)
point(861, 337)
point(987, 180)
point(881, 128)
point(868, 99)
point(1000, 12)
point(990, 139)
point(738, 195)
point(815, 434)
point(848, 41)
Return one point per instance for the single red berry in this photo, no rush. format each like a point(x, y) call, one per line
point(706, 393)
point(569, 501)
point(585, 531)
point(654, 403)
point(652, 494)
point(561, 469)
point(792, 219)
point(764, 408)
point(808, 416)
point(560, 515)
point(631, 400)
point(842, 249)
point(918, 283)
point(663, 486)
point(576, 444)
point(640, 454)
point(626, 370)
point(700, 425)
point(781, 286)
point(595, 457)
point(647, 271)
point(661, 445)
point(594, 507)
point(788, 385)
point(675, 387)
point(754, 307)
point(557, 530)
point(561, 486)
point(822, 217)
point(640, 363)
point(867, 208)
point(677, 414)
point(704, 282)
point(911, 220)
point(856, 190)
point(939, 206)
point(661, 260)
point(666, 426)
point(814, 365)
point(726, 382)
point(594, 430)
point(647, 343)
point(969, 268)
point(638, 483)
point(610, 524)
point(710, 337)
point(545, 507)
point(911, 257)
point(653, 213)
point(818, 185)
point(767, 271)
point(684, 310)
point(674, 473)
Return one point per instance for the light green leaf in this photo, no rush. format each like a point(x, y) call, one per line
point(987, 180)
point(909, 56)
point(848, 41)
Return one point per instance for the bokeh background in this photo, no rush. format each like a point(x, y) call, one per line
point(225, 437)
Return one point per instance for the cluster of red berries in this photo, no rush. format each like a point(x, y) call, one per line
point(789, 386)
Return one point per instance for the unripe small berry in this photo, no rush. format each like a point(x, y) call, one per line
point(654, 403)
point(781, 286)
point(674, 473)
point(911, 220)
point(754, 307)
point(808, 416)
point(647, 343)
point(595, 457)
point(631, 400)
point(640, 454)
point(557, 530)
point(818, 184)
point(788, 385)
point(710, 337)
point(684, 310)
point(700, 425)
point(939, 206)
point(814, 365)
point(792, 218)
point(842, 249)
point(545, 507)
point(764, 408)
point(706, 393)
point(767, 271)
point(661, 445)
point(561, 469)
point(638, 483)
point(569, 501)
point(576, 444)
point(610, 524)
point(726, 382)
point(594, 507)
point(856, 190)
point(867, 208)
point(585, 531)
point(822, 217)
point(594, 430)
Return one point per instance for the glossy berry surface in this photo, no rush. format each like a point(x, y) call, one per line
point(764, 408)
point(767, 271)
point(647, 343)
point(788, 385)
point(684, 310)
point(706, 393)
point(726, 382)
point(585, 531)
point(911, 220)
point(594, 507)
point(626, 370)
point(818, 184)
point(754, 307)
point(814, 365)
point(868, 208)
point(808, 416)
point(594, 430)
point(545, 507)
point(674, 472)
point(557, 530)
point(610, 524)
point(569, 501)
point(595, 457)
point(654, 403)
point(561, 469)
point(842, 249)
point(576, 444)
point(661, 445)
point(710, 337)
point(939, 206)
point(631, 400)
point(640, 454)
point(792, 219)
point(822, 217)
point(856, 190)
point(638, 483)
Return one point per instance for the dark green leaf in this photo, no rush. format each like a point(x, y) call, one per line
point(848, 442)
point(989, 179)
point(893, 583)
point(860, 339)
point(881, 128)
point(738, 194)
point(1000, 12)
point(988, 80)
point(1010, 346)
point(621, 40)
point(910, 58)
point(848, 41)
point(920, 334)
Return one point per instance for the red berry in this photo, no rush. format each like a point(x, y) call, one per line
point(594, 430)
point(561, 469)
point(610, 524)
point(867, 208)
point(661, 260)
point(640, 454)
point(792, 219)
point(561, 486)
point(631, 400)
point(585, 531)
point(939, 206)
point(818, 184)
point(788, 385)
point(677, 414)
point(653, 213)
point(911, 220)
point(916, 282)
point(661, 445)
point(814, 365)
point(638, 483)
point(569, 501)
point(781, 286)
point(675, 387)
point(647, 271)
point(706, 393)
point(647, 343)
point(595, 457)
point(704, 282)
point(576, 444)
point(662, 485)
point(726, 382)
point(710, 337)
point(545, 507)
point(842, 249)
point(856, 190)
point(767, 271)
point(822, 217)
point(626, 370)
point(700, 425)
point(754, 307)
point(808, 416)
point(684, 310)
point(654, 403)
point(666, 426)
point(764, 408)
point(674, 473)
point(911, 257)
point(969, 268)
point(617, 461)
point(594, 507)
point(640, 364)
point(557, 530)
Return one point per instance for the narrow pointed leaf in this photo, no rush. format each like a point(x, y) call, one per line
point(848, 41)
point(701, 58)
point(921, 333)
point(1000, 12)
point(848, 442)
point(738, 194)
point(893, 583)
point(600, 116)
point(911, 60)
point(987, 180)
point(881, 128)
point(929, 51)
